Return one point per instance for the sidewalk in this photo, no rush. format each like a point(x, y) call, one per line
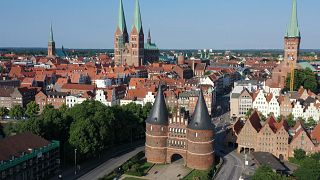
point(89, 165)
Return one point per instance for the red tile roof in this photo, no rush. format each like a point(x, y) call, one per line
point(79, 87)
point(255, 121)
point(315, 134)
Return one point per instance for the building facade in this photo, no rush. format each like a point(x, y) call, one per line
point(131, 49)
point(171, 136)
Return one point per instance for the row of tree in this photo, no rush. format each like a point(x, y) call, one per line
point(90, 127)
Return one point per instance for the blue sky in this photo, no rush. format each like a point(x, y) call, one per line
point(217, 24)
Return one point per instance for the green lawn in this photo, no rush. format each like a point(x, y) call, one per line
point(140, 168)
point(197, 174)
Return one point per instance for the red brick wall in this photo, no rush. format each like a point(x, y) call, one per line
point(156, 143)
point(200, 149)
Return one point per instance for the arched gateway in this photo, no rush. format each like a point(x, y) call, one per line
point(171, 137)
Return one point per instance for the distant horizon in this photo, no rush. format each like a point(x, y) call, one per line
point(45, 48)
point(208, 24)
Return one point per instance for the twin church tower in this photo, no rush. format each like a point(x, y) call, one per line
point(131, 50)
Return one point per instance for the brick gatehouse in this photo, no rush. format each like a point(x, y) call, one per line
point(169, 136)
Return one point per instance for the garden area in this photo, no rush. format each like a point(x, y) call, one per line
point(136, 166)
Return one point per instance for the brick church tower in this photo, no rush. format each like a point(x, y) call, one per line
point(137, 38)
point(291, 51)
point(129, 51)
point(120, 38)
point(292, 38)
point(193, 141)
point(51, 45)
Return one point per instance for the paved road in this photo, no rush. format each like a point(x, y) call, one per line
point(108, 166)
point(233, 165)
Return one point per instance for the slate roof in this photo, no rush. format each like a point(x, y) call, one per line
point(265, 158)
point(159, 113)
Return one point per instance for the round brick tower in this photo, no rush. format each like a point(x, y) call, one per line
point(157, 131)
point(200, 154)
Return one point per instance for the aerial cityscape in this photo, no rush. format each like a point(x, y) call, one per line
point(128, 108)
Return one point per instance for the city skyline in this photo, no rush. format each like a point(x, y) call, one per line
point(89, 31)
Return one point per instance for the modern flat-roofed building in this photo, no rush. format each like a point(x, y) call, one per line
point(28, 156)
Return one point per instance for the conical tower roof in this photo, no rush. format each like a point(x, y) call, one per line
point(159, 112)
point(137, 17)
point(51, 34)
point(201, 119)
point(293, 27)
point(122, 20)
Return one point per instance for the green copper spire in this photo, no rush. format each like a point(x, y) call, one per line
point(122, 20)
point(293, 28)
point(137, 17)
point(51, 34)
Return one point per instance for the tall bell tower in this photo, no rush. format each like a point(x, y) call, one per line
point(137, 38)
point(292, 38)
point(120, 38)
point(51, 44)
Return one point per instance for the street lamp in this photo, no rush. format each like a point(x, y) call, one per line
point(75, 161)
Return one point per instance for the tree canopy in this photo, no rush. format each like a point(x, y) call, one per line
point(266, 173)
point(305, 78)
point(90, 127)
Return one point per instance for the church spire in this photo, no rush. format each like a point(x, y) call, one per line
point(51, 34)
point(137, 17)
point(293, 27)
point(201, 119)
point(149, 37)
point(159, 112)
point(122, 20)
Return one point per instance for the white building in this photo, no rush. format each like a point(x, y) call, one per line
point(108, 99)
point(260, 103)
point(274, 106)
point(149, 98)
point(72, 100)
point(103, 83)
point(297, 110)
point(312, 112)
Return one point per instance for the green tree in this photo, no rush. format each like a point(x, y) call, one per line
point(290, 120)
point(266, 173)
point(299, 154)
point(262, 117)
point(146, 110)
point(305, 78)
point(16, 112)
point(309, 169)
point(32, 109)
point(248, 114)
point(310, 123)
point(3, 111)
